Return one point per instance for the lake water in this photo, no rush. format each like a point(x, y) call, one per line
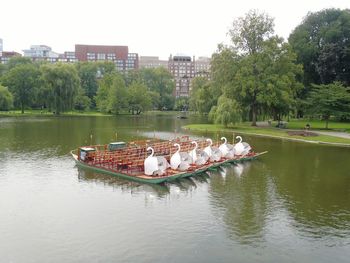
point(291, 205)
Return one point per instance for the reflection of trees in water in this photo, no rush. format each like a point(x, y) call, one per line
point(314, 183)
point(242, 200)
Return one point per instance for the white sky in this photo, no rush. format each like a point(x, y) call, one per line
point(148, 27)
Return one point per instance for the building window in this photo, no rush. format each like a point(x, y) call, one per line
point(101, 56)
point(91, 56)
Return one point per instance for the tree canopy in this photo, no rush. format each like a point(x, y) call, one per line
point(23, 82)
point(6, 99)
point(329, 100)
point(322, 43)
point(62, 83)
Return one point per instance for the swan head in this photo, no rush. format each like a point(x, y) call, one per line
point(150, 149)
point(239, 138)
point(224, 139)
point(178, 146)
point(210, 141)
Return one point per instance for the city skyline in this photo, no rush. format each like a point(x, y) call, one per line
point(149, 28)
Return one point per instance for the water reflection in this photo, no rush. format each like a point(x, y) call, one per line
point(126, 186)
point(315, 189)
point(242, 198)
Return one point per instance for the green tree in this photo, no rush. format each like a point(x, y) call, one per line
point(158, 80)
point(81, 101)
point(139, 98)
point(2, 70)
point(227, 111)
point(112, 94)
point(248, 35)
point(118, 93)
point(261, 72)
point(329, 100)
point(87, 72)
point(6, 99)
point(181, 104)
point(18, 60)
point(322, 44)
point(200, 97)
point(62, 83)
point(22, 81)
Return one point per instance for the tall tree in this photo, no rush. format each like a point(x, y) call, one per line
point(329, 100)
point(6, 99)
point(112, 94)
point(22, 81)
point(139, 98)
point(200, 97)
point(322, 44)
point(88, 72)
point(62, 82)
point(263, 70)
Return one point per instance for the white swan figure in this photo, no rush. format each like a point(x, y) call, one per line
point(155, 165)
point(150, 163)
point(213, 152)
point(199, 157)
point(241, 148)
point(180, 160)
point(193, 153)
point(227, 149)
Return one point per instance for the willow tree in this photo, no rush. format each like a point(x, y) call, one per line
point(6, 99)
point(62, 83)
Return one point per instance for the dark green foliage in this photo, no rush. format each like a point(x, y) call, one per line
point(6, 99)
point(138, 98)
point(258, 71)
point(322, 43)
point(112, 95)
point(227, 111)
point(182, 104)
point(201, 99)
point(61, 83)
point(329, 100)
point(22, 81)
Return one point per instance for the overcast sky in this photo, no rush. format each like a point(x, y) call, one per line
point(148, 27)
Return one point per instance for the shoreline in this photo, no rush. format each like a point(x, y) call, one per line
point(239, 131)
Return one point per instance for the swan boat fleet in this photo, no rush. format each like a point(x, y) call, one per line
point(156, 161)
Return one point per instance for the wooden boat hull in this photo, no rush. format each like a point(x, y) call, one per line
point(162, 179)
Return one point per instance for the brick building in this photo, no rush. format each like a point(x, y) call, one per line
point(183, 70)
point(117, 54)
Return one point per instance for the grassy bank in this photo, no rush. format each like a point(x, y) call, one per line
point(319, 125)
point(266, 131)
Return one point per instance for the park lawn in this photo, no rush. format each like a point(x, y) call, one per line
point(264, 131)
point(318, 125)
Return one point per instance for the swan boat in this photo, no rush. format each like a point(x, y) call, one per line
point(156, 161)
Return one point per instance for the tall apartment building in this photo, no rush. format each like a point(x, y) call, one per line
point(202, 67)
point(152, 62)
point(183, 70)
point(117, 54)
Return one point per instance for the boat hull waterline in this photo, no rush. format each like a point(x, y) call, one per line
point(164, 178)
